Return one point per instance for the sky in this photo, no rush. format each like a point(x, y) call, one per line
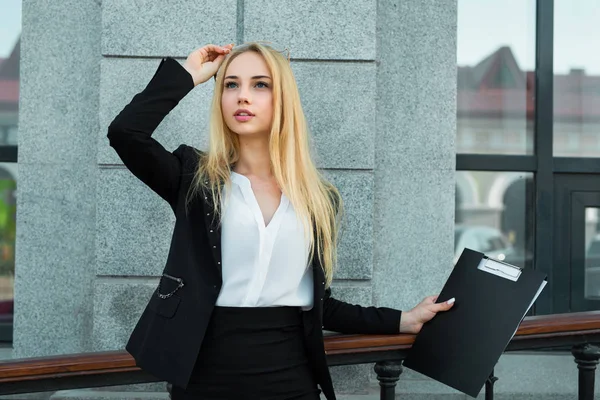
point(483, 27)
point(486, 25)
point(10, 25)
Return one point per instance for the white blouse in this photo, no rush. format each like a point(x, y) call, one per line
point(262, 265)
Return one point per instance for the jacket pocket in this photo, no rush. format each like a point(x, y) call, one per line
point(164, 301)
point(164, 307)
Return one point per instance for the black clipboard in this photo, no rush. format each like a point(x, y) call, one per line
point(460, 347)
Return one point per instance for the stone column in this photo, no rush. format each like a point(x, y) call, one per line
point(414, 149)
point(56, 198)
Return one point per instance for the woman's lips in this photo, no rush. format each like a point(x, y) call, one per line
point(243, 115)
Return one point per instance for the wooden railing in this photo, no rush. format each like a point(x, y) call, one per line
point(578, 331)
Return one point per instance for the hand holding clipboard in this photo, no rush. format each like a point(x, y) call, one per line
point(460, 347)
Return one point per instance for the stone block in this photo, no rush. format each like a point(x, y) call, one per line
point(339, 104)
point(314, 29)
point(60, 71)
point(134, 226)
point(415, 225)
point(122, 79)
point(118, 304)
point(416, 86)
point(414, 150)
point(55, 259)
point(175, 28)
point(355, 252)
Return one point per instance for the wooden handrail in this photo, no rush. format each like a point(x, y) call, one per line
point(553, 330)
point(546, 326)
point(109, 361)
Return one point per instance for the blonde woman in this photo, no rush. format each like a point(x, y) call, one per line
point(240, 308)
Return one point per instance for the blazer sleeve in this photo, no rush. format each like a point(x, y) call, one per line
point(342, 317)
point(130, 133)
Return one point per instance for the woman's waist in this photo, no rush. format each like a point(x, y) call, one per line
point(255, 318)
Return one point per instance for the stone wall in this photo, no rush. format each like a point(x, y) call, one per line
point(378, 85)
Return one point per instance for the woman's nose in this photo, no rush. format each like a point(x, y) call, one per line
point(244, 96)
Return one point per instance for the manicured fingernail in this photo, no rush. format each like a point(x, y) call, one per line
point(451, 300)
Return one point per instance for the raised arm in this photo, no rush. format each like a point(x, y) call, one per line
point(130, 133)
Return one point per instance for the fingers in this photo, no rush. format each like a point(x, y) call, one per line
point(210, 52)
point(219, 59)
point(217, 49)
point(445, 306)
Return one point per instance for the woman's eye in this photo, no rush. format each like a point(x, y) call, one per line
point(230, 85)
point(262, 85)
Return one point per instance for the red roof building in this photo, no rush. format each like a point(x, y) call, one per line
point(9, 80)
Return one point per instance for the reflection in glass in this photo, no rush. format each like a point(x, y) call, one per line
point(9, 96)
point(495, 107)
point(494, 215)
point(10, 55)
point(576, 79)
point(592, 254)
point(8, 187)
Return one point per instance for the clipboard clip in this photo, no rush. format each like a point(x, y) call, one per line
point(499, 268)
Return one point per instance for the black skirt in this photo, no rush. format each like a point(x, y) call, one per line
point(252, 353)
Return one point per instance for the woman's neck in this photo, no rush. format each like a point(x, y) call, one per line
point(254, 158)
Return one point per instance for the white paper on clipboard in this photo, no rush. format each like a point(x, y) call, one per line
point(500, 269)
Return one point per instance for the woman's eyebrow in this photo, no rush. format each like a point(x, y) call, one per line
point(254, 77)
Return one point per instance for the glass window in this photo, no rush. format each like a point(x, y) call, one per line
point(8, 187)
point(494, 215)
point(10, 33)
point(11, 136)
point(592, 254)
point(495, 108)
point(576, 78)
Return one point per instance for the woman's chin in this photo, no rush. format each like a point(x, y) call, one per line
point(250, 132)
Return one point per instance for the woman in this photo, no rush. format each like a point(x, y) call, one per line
point(240, 308)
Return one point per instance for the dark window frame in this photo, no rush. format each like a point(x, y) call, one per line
point(542, 163)
point(8, 154)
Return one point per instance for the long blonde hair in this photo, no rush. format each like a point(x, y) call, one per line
point(316, 201)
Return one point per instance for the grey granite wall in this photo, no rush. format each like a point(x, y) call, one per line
point(377, 79)
point(378, 84)
point(414, 149)
point(58, 124)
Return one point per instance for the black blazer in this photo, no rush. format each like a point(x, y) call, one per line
point(167, 338)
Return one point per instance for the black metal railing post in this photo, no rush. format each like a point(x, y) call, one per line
point(586, 356)
point(489, 386)
point(388, 373)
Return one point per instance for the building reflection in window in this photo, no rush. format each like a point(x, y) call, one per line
point(494, 215)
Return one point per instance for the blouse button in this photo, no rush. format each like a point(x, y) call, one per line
point(207, 214)
point(214, 247)
point(219, 262)
point(211, 231)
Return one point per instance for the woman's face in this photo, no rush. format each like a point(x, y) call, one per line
point(247, 100)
